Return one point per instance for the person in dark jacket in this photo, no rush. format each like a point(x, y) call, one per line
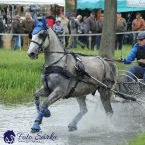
point(74, 28)
point(50, 20)
point(1, 29)
point(84, 39)
point(92, 28)
point(137, 52)
point(16, 29)
point(100, 28)
point(121, 27)
point(27, 25)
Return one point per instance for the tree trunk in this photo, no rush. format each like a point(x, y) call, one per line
point(109, 30)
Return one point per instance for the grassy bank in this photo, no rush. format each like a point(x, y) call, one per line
point(140, 140)
point(20, 76)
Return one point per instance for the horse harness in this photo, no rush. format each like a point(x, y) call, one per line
point(79, 67)
point(43, 36)
point(46, 71)
point(80, 73)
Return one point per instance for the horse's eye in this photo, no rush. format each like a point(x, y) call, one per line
point(41, 35)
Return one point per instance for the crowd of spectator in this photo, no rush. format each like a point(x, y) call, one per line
point(69, 24)
point(89, 25)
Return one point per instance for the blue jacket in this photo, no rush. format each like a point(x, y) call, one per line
point(58, 28)
point(132, 55)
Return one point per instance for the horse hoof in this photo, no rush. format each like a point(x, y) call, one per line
point(35, 128)
point(72, 127)
point(47, 113)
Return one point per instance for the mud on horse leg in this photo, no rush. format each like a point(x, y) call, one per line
point(83, 110)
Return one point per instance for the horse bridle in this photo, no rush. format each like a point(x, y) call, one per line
point(40, 46)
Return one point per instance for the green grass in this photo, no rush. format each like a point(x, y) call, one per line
point(20, 76)
point(140, 140)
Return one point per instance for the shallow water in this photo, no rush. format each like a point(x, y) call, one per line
point(94, 128)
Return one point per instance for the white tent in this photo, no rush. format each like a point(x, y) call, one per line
point(32, 2)
point(29, 2)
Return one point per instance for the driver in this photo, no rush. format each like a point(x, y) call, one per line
point(137, 52)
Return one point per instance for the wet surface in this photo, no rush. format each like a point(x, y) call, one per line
point(94, 128)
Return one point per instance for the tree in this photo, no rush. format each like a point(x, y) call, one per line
point(69, 7)
point(107, 45)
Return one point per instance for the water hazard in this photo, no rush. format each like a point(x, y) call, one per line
point(94, 128)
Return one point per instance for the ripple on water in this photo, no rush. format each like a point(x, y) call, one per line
point(94, 128)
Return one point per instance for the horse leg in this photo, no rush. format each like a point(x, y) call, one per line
point(105, 96)
point(41, 92)
point(83, 109)
point(54, 96)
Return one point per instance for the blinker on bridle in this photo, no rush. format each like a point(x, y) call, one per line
point(44, 36)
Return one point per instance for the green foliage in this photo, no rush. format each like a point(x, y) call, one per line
point(69, 7)
point(19, 76)
point(140, 140)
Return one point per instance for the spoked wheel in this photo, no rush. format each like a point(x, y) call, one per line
point(132, 88)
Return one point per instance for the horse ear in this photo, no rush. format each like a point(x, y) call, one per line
point(36, 21)
point(44, 22)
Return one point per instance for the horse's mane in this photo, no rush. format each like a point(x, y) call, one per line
point(55, 34)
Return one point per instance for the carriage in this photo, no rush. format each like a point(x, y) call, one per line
point(135, 88)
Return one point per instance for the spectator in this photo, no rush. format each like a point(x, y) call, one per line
point(27, 26)
point(121, 27)
point(137, 25)
point(92, 28)
point(84, 39)
point(74, 44)
point(137, 52)
point(64, 23)
point(58, 28)
point(74, 28)
point(16, 29)
point(100, 28)
point(50, 20)
point(8, 12)
point(1, 30)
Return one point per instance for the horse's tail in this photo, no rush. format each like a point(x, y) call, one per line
point(114, 72)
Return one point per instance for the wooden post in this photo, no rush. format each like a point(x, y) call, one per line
point(90, 41)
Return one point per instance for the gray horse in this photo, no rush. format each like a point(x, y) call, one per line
point(65, 75)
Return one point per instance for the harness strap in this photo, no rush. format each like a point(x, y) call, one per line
point(57, 69)
point(35, 42)
point(72, 90)
point(40, 45)
point(56, 61)
point(47, 84)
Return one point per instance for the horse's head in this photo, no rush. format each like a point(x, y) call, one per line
point(40, 39)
